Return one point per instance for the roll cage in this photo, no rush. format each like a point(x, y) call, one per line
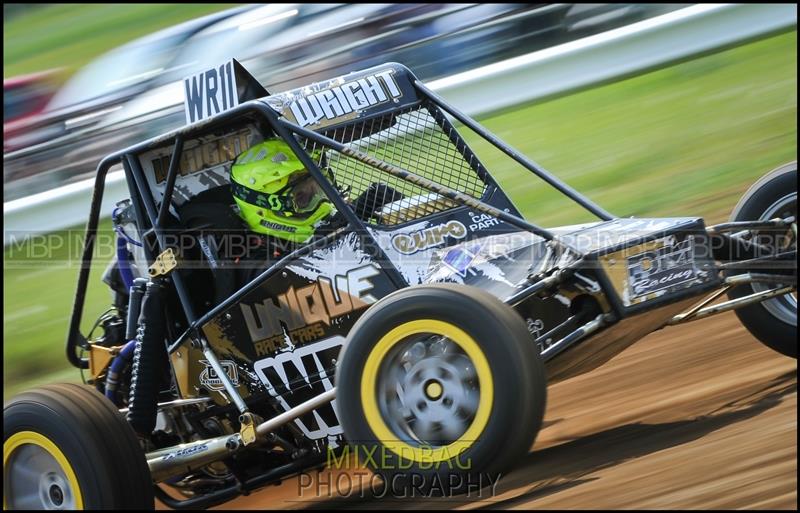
point(151, 214)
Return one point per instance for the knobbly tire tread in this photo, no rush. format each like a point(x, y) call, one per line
point(95, 438)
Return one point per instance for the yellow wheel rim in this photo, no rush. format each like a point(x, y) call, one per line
point(24, 440)
point(376, 422)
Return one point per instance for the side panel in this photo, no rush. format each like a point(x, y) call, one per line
point(669, 265)
point(462, 246)
point(283, 337)
point(601, 347)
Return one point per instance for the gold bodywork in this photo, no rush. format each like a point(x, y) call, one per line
point(188, 366)
point(100, 357)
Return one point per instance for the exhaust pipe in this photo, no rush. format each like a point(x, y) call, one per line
point(184, 458)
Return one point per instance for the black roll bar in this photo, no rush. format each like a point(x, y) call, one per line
point(527, 163)
point(151, 219)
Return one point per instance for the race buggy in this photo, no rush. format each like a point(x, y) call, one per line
point(419, 331)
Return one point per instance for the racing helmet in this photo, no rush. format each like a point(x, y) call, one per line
point(276, 194)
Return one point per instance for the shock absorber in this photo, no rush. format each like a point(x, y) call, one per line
point(135, 295)
point(149, 357)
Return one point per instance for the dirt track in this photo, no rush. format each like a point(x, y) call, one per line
point(696, 416)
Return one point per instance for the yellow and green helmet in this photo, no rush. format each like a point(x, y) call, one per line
point(276, 194)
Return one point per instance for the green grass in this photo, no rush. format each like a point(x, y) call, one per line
point(684, 140)
point(69, 36)
point(39, 285)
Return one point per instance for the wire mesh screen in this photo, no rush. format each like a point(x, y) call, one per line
point(411, 140)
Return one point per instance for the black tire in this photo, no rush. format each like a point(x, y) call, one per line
point(763, 320)
point(517, 378)
point(99, 452)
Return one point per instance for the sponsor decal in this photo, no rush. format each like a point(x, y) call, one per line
point(536, 329)
point(414, 242)
point(482, 221)
point(350, 97)
point(185, 452)
point(294, 377)
point(204, 156)
point(206, 248)
point(276, 226)
point(535, 326)
point(209, 378)
point(661, 268)
point(306, 311)
point(459, 259)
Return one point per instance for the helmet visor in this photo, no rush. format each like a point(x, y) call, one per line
point(300, 198)
point(306, 194)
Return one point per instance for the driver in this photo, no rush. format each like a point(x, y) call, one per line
point(276, 194)
point(282, 202)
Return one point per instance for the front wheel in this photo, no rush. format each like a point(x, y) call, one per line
point(774, 321)
point(66, 446)
point(440, 388)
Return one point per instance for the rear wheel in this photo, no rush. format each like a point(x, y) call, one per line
point(440, 388)
point(66, 446)
point(774, 321)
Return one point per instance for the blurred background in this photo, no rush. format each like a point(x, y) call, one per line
point(82, 81)
point(111, 75)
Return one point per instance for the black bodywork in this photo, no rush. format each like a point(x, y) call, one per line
point(280, 333)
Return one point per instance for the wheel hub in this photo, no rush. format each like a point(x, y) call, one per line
point(52, 490)
point(433, 390)
point(35, 480)
point(430, 392)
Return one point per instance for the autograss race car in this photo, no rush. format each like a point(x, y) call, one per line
point(417, 325)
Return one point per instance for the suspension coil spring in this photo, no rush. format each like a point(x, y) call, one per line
point(149, 358)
